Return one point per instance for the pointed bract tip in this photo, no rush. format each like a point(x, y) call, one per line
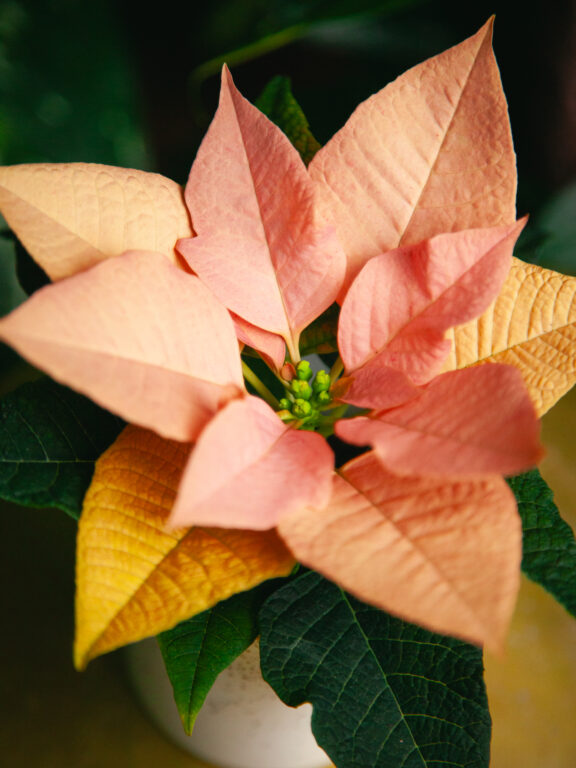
point(488, 27)
point(226, 76)
point(227, 86)
point(81, 659)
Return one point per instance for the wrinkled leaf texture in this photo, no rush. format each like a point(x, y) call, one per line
point(385, 693)
point(50, 438)
point(532, 326)
point(549, 556)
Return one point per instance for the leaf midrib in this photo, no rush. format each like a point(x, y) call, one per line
point(370, 650)
point(442, 142)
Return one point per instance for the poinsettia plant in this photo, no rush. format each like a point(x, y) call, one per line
point(329, 360)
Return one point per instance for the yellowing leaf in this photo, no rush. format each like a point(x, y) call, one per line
point(134, 578)
point(70, 216)
point(532, 325)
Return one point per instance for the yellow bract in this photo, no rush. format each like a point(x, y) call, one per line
point(532, 325)
point(70, 216)
point(135, 578)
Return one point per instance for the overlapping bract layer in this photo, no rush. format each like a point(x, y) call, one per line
point(430, 153)
point(382, 532)
point(135, 578)
point(420, 186)
point(260, 245)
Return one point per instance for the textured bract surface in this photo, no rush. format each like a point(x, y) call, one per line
point(72, 215)
point(532, 326)
point(417, 159)
point(421, 180)
point(406, 544)
point(134, 578)
point(99, 333)
point(288, 264)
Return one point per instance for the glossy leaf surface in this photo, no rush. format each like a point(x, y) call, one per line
point(136, 579)
point(50, 438)
point(385, 693)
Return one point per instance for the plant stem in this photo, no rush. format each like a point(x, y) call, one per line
point(336, 369)
point(259, 386)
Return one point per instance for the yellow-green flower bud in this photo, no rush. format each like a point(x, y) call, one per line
point(285, 404)
point(322, 382)
point(301, 389)
point(304, 371)
point(323, 398)
point(301, 408)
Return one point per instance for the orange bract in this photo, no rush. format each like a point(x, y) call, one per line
point(134, 578)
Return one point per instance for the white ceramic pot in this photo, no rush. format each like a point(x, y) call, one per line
point(243, 724)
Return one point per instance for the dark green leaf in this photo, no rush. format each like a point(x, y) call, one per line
point(277, 102)
point(556, 225)
point(385, 693)
point(549, 556)
point(197, 650)
point(28, 273)
point(31, 276)
point(321, 335)
point(11, 294)
point(50, 438)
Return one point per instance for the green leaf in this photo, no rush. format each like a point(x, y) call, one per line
point(385, 693)
point(31, 276)
point(11, 294)
point(50, 438)
point(256, 28)
point(321, 335)
point(549, 556)
point(277, 103)
point(197, 650)
point(557, 227)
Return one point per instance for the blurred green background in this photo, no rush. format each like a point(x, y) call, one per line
point(113, 82)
